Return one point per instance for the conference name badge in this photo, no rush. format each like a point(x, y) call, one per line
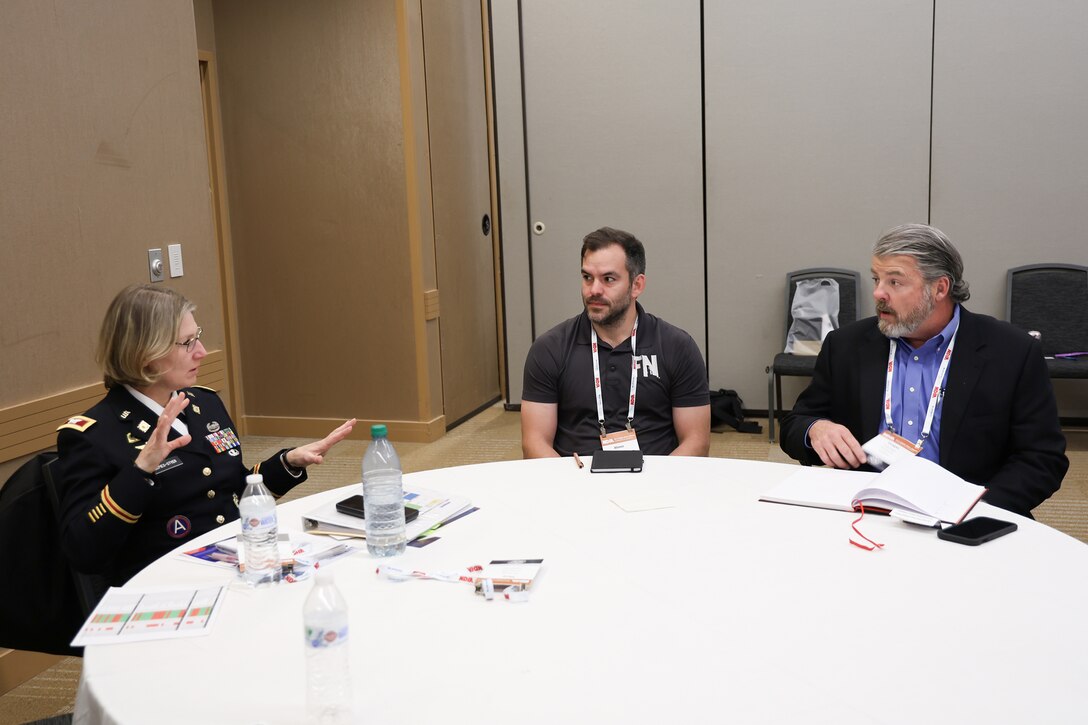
point(885, 449)
point(624, 440)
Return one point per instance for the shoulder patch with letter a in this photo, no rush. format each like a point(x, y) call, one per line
point(178, 527)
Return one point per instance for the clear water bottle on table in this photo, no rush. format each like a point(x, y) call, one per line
point(328, 681)
point(383, 496)
point(259, 533)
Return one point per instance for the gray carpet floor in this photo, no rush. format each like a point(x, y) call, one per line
point(495, 435)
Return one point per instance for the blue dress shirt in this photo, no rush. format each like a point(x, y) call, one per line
point(912, 382)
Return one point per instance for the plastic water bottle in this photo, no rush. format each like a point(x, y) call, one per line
point(328, 682)
point(259, 533)
point(383, 496)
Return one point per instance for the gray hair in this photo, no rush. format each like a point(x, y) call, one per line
point(933, 252)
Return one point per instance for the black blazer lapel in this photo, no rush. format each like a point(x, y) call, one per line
point(872, 357)
point(968, 359)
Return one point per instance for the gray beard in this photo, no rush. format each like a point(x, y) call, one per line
point(907, 325)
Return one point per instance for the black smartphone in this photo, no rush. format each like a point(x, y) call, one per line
point(353, 506)
point(612, 461)
point(976, 531)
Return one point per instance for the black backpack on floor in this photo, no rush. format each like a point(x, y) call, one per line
point(726, 408)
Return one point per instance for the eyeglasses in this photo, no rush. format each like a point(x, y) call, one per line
point(191, 342)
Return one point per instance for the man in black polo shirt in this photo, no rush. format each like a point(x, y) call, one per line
point(663, 409)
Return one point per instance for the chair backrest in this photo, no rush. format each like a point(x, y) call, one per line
point(849, 284)
point(39, 608)
point(1052, 299)
point(89, 587)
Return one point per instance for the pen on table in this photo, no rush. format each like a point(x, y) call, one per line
point(578, 461)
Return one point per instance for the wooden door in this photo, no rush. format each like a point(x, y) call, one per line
point(461, 193)
point(217, 191)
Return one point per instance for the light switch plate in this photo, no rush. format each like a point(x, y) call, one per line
point(176, 267)
point(154, 265)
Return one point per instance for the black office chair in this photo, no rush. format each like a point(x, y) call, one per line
point(89, 587)
point(788, 364)
point(1052, 299)
point(40, 610)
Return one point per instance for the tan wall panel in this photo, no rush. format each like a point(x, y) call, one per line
point(103, 158)
point(422, 431)
point(313, 136)
point(421, 236)
point(205, 25)
point(457, 117)
point(30, 427)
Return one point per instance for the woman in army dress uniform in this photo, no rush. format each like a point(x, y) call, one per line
point(157, 461)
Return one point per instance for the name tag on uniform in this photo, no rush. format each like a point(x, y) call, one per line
point(624, 440)
point(223, 440)
point(171, 462)
point(885, 449)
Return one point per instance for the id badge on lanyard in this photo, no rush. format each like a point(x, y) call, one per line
point(624, 440)
point(887, 447)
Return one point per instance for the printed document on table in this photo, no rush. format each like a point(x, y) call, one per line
point(299, 554)
point(126, 615)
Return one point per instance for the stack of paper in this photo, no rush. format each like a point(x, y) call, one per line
point(299, 553)
point(435, 509)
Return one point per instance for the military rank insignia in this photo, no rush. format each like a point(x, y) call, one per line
point(223, 440)
point(77, 422)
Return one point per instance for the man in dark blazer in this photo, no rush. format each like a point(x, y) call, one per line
point(994, 421)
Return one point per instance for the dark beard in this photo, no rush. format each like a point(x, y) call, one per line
point(613, 317)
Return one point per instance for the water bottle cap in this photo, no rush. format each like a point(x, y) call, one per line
point(378, 430)
point(254, 478)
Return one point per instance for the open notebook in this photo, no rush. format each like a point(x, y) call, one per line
point(913, 484)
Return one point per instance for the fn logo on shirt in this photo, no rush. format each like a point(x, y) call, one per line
point(648, 365)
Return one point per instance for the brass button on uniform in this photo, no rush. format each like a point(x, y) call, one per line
point(219, 519)
point(207, 471)
point(211, 493)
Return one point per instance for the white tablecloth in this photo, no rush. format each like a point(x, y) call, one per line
point(715, 608)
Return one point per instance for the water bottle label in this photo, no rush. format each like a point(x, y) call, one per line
point(253, 522)
point(321, 638)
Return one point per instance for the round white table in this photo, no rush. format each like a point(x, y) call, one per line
point(716, 607)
